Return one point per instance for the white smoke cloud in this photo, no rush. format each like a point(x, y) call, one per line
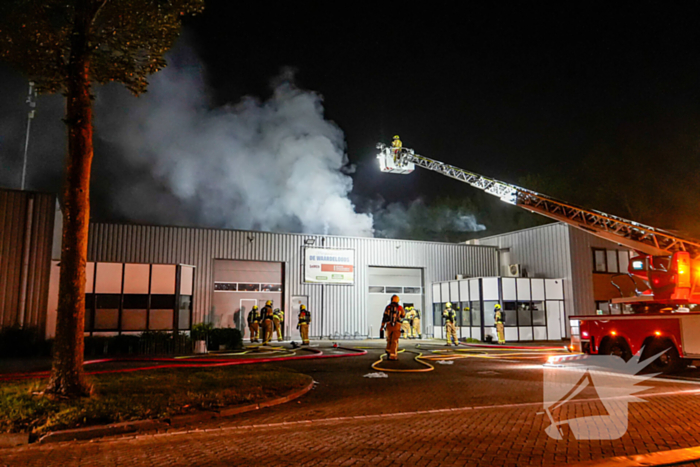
point(420, 221)
point(275, 165)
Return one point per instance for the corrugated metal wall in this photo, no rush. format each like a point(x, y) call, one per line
point(543, 251)
point(338, 309)
point(557, 251)
point(26, 235)
point(582, 244)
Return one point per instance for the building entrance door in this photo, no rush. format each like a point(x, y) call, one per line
point(384, 282)
point(553, 320)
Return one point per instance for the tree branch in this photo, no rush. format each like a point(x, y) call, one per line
point(97, 12)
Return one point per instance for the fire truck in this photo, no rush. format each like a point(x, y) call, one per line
point(659, 319)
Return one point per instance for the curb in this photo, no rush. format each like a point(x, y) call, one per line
point(11, 440)
point(150, 425)
point(673, 457)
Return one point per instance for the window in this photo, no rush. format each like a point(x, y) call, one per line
point(184, 311)
point(464, 306)
point(524, 314)
point(538, 317)
point(376, 289)
point(510, 313)
point(610, 261)
point(489, 317)
point(412, 290)
point(602, 308)
point(624, 260)
point(599, 261)
point(224, 286)
point(476, 313)
point(437, 314)
point(394, 290)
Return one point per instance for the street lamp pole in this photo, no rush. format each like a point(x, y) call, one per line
point(31, 100)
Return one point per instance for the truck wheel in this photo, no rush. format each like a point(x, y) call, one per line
point(668, 362)
point(620, 349)
point(617, 347)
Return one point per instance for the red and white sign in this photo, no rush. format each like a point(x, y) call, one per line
point(327, 266)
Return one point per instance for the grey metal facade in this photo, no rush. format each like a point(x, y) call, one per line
point(26, 234)
point(338, 310)
point(556, 251)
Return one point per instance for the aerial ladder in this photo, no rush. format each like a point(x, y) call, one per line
point(667, 262)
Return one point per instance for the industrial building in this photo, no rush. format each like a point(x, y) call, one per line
point(142, 277)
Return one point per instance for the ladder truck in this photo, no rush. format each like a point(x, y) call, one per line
point(667, 266)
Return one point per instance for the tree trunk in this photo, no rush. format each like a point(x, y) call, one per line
point(67, 377)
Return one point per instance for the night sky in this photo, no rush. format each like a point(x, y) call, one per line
point(593, 102)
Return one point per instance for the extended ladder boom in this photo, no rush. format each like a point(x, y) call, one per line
point(640, 237)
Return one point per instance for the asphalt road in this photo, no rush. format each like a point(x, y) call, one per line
point(483, 410)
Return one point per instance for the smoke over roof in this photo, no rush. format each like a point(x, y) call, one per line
point(275, 165)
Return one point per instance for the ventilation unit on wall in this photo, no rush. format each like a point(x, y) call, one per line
point(514, 270)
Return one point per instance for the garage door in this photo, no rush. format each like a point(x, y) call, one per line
point(239, 285)
point(407, 283)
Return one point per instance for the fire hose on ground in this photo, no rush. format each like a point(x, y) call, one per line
point(198, 362)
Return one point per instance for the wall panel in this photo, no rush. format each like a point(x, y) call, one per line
point(337, 309)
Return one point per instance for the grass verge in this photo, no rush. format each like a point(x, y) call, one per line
point(142, 395)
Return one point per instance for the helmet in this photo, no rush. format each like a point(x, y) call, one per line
point(277, 310)
point(497, 307)
point(448, 305)
point(396, 136)
point(303, 307)
point(255, 307)
point(394, 299)
point(268, 303)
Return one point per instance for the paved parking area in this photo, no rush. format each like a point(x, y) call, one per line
point(475, 411)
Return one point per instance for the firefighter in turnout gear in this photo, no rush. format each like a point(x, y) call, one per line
point(267, 324)
point(397, 145)
point(405, 327)
point(254, 323)
point(500, 320)
point(414, 321)
point(391, 322)
point(450, 318)
point(278, 319)
point(303, 326)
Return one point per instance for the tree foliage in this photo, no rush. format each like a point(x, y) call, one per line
point(66, 45)
point(127, 39)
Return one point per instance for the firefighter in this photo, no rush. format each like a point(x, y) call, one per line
point(254, 323)
point(415, 325)
point(450, 318)
point(267, 323)
point(397, 145)
point(303, 325)
point(405, 327)
point(278, 319)
point(410, 316)
point(391, 321)
point(499, 318)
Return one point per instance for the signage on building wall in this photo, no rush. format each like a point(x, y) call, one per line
point(326, 266)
